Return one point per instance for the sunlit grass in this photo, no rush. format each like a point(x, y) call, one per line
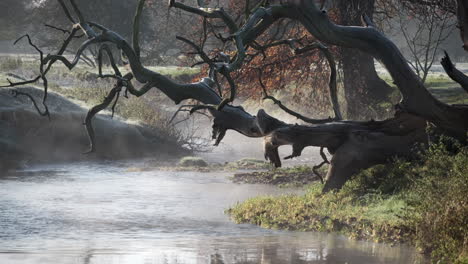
point(441, 86)
point(371, 217)
point(424, 202)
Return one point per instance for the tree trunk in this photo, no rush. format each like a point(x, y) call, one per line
point(363, 88)
point(462, 14)
point(396, 137)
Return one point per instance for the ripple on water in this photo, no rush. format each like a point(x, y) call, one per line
point(101, 213)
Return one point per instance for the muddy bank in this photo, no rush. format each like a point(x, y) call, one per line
point(27, 137)
point(293, 176)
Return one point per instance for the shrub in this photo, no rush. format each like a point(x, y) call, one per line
point(440, 198)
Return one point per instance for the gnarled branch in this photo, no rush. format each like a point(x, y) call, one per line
point(454, 73)
point(376, 141)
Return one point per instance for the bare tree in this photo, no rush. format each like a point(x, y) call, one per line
point(354, 145)
point(424, 31)
point(456, 7)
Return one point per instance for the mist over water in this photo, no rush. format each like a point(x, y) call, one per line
point(102, 213)
point(236, 146)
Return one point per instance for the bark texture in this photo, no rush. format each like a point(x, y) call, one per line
point(454, 73)
point(363, 88)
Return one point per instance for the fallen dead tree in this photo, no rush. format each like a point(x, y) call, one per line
point(355, 145)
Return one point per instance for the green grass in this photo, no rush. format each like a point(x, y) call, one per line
point(370, 217)
point(439, 85)
point(424, 202)
point(175, 71)
point(446, 90)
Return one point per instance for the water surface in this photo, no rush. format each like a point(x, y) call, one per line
point(103, 213)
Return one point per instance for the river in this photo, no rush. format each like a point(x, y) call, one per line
point(105, 213)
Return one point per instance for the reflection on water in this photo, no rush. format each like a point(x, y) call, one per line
point(100, 213)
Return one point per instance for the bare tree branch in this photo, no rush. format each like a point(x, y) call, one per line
point(136, 27)
point(113, 94)
point(65, 31)
point(208, 13)
point(333, 74)
point(42, 76)
point(454, 73)
point(66, 11)
point(316, 167)
point(354, 145)
point(289, 111)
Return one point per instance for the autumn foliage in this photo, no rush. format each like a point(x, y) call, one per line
point(304, 77)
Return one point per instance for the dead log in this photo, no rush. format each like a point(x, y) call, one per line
point(355, 145)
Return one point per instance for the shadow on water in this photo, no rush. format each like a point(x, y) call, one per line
point(34, 176)
point(102, 213)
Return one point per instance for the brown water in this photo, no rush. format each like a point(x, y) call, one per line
point(100, 213)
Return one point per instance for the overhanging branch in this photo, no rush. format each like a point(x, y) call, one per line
point(375, 141)
point(454, 73)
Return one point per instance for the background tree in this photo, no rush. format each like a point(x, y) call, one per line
point(300, 78)
point(425, 27)
point(363, 88)
point(307, 76)
point(430, 29)
point(456, 7)
point(157, 23)
point(9, 10)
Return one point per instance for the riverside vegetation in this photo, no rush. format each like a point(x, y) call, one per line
point(423, 202)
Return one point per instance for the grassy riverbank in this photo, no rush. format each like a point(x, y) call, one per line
point(423, 202)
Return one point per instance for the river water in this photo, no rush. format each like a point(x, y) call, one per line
point(104, 213)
